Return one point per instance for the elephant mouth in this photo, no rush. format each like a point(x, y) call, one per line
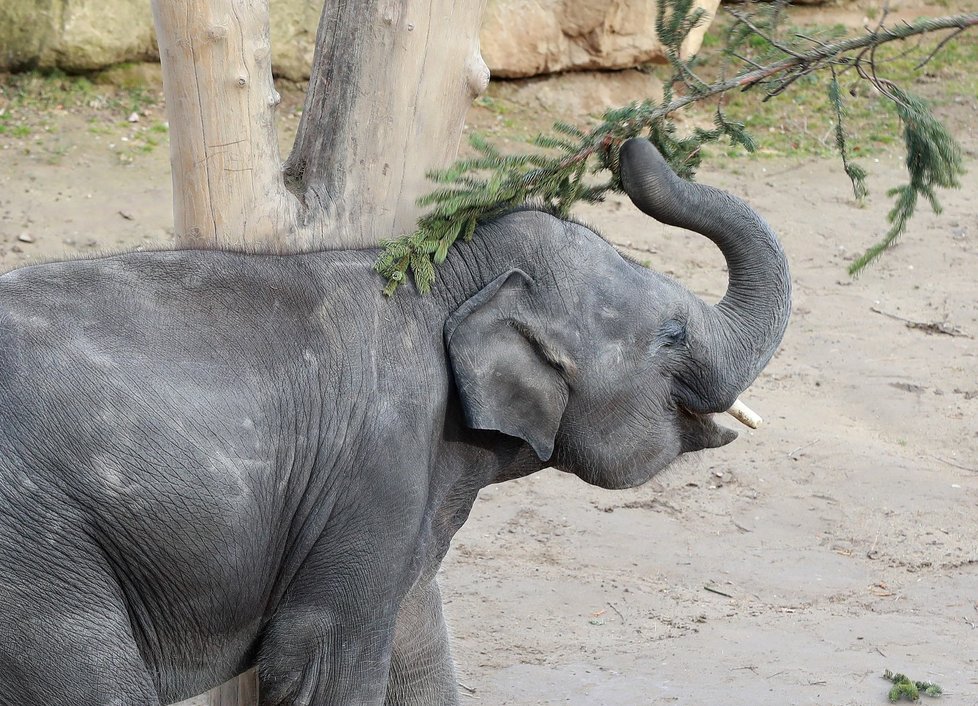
point(706, 433)
point(701, 431)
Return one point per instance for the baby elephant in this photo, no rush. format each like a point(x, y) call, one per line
point(211, 461)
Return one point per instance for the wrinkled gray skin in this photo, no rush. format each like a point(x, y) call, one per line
point(212, 460)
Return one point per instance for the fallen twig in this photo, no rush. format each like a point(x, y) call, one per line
point(792, 454)
point(741, 527)
point(717, 591)
point(618, 612)
point(941, 327)
point(953, 464)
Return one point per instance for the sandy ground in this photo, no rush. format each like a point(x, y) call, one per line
point(791, 567)
point(797, 564)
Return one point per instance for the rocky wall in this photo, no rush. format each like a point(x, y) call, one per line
point(519, 38)
point(522, 38)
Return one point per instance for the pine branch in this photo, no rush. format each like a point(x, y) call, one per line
point(856, 174)
point(904, 686)
point(479, 189)
point(933, 160)
point(813, 59)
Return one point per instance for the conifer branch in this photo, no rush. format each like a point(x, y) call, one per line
point(856, 174)
point(904, 686)
point(933, 160)
point(835, 52)
point(479, 189)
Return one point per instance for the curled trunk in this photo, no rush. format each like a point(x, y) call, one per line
point(744, 329)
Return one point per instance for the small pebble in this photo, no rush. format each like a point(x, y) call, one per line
point(25, 238)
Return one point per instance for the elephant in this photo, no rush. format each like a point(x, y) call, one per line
point(211, 460)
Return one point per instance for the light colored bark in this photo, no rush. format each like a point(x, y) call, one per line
point(217, 79)
point(391, 83)
point(242, 691)
point(386, 103)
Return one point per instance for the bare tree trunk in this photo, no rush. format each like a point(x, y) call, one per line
point(217, 78)
point(391, 83)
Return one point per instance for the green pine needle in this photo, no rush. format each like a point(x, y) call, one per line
point(857, 175)
point(933, 160)
point(483, 187)
point(903, 686)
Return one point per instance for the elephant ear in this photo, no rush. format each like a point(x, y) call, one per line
point(506, 374)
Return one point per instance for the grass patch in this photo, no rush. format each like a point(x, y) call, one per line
point(27, 96)
point(30, 102)
point(801, 121)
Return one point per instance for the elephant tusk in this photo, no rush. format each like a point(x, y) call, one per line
point(745, 415)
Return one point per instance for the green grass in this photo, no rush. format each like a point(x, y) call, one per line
point(31, 101)
point(492, 104)
point(41, 91)
point(29, 95)
point(801, 121)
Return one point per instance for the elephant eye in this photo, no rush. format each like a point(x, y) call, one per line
point(673, 332)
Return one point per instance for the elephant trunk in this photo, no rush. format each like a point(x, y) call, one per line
point(743, 330)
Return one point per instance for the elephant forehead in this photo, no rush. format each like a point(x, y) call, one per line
point(608, 293)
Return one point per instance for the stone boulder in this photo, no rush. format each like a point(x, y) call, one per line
point(519, 38)
point(75, 35)
point(522, 38)
point(88, 35)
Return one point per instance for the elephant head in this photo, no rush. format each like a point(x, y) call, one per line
point(610, 370)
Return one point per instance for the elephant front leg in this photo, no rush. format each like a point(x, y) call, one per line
point(317, 656)
point(329, 641)
point(421, 670)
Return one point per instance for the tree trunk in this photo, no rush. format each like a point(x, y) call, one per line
point(391, 83)
point(242, 691)
point(220, 101)
point(386, 103)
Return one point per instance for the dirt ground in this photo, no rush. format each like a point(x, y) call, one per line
point(791, 567)
point(797, 564)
